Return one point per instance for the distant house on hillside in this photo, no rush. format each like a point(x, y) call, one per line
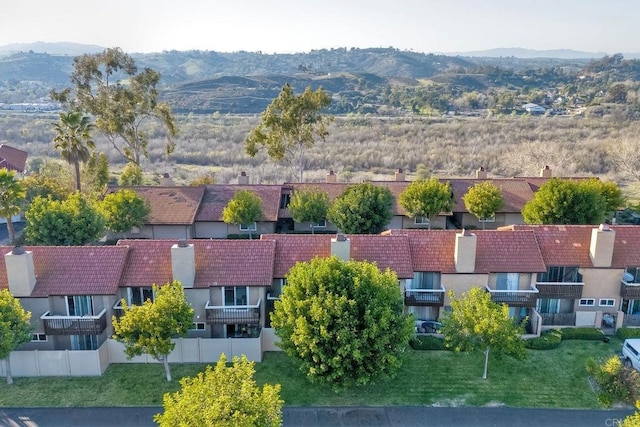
point(534, 108)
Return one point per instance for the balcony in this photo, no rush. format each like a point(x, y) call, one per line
point(74, 325)
point(629, 290)
point(560, 290)
point(424, 297)
point(558, 319)
point(233, 314)
point(516, 297)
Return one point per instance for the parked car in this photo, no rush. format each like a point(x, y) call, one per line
point(631, 352)
point(428, 326)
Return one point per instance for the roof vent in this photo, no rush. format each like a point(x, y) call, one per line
point(341, 238)
point(18, 250)
point(182, 243)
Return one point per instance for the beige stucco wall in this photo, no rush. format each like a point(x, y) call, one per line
point(459, 283)
point(438, 222)
point(305, 227)
point(211, 230)
point(601, 283)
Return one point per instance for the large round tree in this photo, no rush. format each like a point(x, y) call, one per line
point(342, 321)
point(362, 209)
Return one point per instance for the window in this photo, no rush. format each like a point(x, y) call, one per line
point(606, 302)
point(634, 272)
point(139, 295)
point(285, 199)
point(79, 305)
point(491, 219)
point(587, 302)
point(234, 296)
point(425, 280)
point(507, 281)
point(248, 227)
point(198, 326)
point(84, 342)
point(564, 274)
point(39, 337)
point(275, 290)
point(319, 224)
point(421, 220)
point(554, 305)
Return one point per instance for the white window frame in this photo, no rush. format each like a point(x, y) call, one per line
point(319, 224)
point(587, 302)
point(248, 227)
point(421, 220)
point(37, 337)
point(490, 219)
point(235, 297)
point(142, 289)
point(607, 302)
point(198, 326)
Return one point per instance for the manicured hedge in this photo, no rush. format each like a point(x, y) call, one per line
point(427, 342)
point(582, 334)
point(551, 338)
point(624, 333)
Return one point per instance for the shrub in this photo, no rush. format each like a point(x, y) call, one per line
point(617, 382)
point(427, 342)
point(582, 334)
point(549, 339)
point(625, 332)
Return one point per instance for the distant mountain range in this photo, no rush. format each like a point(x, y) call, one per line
point(74, 49)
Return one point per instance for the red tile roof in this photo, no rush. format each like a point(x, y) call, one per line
point(508, 252)
point(515, 192)
point(386, 251)
point(431, 250)
point(293, 248)
point(217, 197)
point(562, 245)
point(12, 158)
point(218, 262)
point(626, 252)
point(169, 205)
point(73, 270)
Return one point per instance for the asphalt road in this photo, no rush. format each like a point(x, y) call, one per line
point(333, 417)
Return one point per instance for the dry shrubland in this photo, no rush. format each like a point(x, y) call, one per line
point(361, 147)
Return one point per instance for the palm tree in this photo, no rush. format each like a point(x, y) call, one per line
point(73, 139)
point(12, 197)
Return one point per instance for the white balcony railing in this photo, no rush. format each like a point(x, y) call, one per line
point(233, 314)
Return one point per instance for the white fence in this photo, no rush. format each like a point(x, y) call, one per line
point(76, 363)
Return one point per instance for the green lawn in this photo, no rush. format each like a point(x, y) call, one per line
point(550, 378)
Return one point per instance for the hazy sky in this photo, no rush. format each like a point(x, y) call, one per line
point(286, 26)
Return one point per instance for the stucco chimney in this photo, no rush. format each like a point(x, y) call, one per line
point(341, 247)
point(400, 175)
point(331, 177)
point(21, 273)
point(465, 252)
point(166, 180)
point(183, 263)
point(481, 173)
point(601, 248)
point(243, 179)
point(545, 172)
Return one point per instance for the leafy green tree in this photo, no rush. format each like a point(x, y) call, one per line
point(73, 140)
point(483, 200)
point(149, 328)
point(561, 201)
point(12, 198)
point(290, 125)
point(15, 328)
point(478, 323)
point(362, 209)
point(244, 208)
point(123, 210)
point(342, 321)
point(70, 222)
point(632, 420)
point(95, 174)
point(309, 205)
point(131, 175)
point(110, 87)
point(611, 194)
point(618, 383)
point(426, 198)
point(41, 185)
point(223, 396)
